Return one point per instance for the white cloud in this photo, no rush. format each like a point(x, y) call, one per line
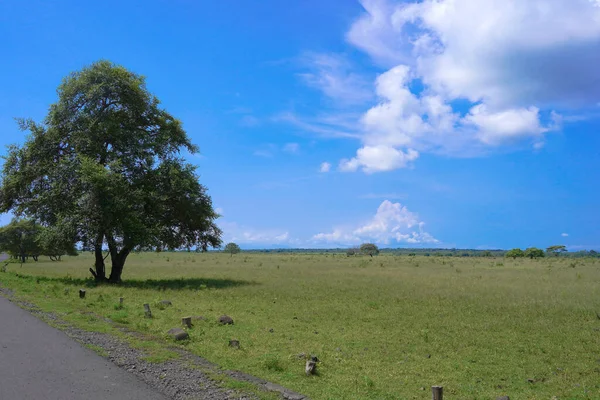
point(374, 33)
point(325, 167)
point(332, 74)
point(328, 126)
point(564, 234)
point(393, 222)
point(232, 232)
point(508, 63)
point(377, 159)
point(504, 126)
point(291, 148)
point(504, 52)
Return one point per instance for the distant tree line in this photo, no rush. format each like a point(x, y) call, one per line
point(23, 238)
point(433, 252)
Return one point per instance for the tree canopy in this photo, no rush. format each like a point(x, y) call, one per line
point(515, 253)
point(23, 238)
point(369, 248)
point(556, 249)
point(104, 168)
point(232, 248)
point(534, 252)
point(19, 239)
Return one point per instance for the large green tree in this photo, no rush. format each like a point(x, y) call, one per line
point(104, 168)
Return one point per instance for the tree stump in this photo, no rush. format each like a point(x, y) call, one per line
point(437, 392)
point(121, 302)
point(147, 311)
point(234, 343)
point(186, 321)
point(81, 294)
point(311, 366)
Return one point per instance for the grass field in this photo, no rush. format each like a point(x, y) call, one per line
point(387, 327)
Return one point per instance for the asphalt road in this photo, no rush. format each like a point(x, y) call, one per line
point(40, 362)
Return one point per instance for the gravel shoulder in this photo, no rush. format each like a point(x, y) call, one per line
point(39, 361)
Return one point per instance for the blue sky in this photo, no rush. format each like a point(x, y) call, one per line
point(324, 124)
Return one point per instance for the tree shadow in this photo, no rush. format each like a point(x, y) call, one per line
point(151, 284)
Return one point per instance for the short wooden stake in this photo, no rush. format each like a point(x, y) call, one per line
point(186, 321)
point(121, 302)
point(147, 311)
point(437, 392)
point(81, 294)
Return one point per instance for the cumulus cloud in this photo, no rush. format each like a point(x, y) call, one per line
point(392, 222)
point(496, 128)
point(377, 159)
point(325, 167)
point(465, 77)
point(506, 52)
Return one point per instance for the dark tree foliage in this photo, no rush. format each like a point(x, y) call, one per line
point(369, 248)
point(24, 238)
point(534, 252)
point(515, 253)
point(104, 169)
point(19, 239)
point(556, 249)
point(232, 248)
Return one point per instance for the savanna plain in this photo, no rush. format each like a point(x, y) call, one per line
point(383, 327)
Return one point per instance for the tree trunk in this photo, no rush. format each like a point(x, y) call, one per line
point(118, 261)
point(100, 272)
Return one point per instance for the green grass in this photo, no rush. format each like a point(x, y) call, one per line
point(383, 328)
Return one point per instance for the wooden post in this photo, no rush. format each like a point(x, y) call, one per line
point(81, 294)
point(121, 302)
point(186, 321)
point(437, 392)
point(147, 311)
